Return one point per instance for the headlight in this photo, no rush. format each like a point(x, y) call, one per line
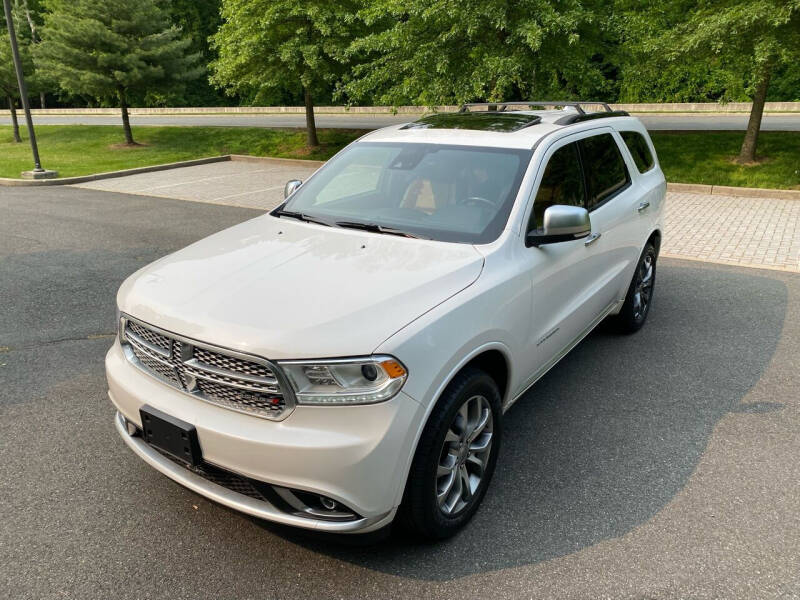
point(345, 381)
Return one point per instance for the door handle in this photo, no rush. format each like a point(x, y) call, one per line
point(643, 205)
point(592, 239)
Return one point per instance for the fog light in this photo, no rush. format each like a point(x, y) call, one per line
point(327, 503)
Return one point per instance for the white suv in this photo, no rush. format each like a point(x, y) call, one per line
point(347, 358)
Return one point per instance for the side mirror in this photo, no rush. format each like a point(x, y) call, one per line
point(561, 224)
point(291, 186)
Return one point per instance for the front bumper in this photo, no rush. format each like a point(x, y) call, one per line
point(356, 455)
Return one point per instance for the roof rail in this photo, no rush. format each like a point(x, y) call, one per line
point(501, 106)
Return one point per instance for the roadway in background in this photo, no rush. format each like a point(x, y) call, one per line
point(655, 122)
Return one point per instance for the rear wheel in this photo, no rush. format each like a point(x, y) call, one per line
point(455, 457)
point(640, 293)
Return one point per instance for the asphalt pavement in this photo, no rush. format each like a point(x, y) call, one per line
point(658, 465)
point(654, 122)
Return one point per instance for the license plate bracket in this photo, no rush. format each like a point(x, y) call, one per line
point(170, 435)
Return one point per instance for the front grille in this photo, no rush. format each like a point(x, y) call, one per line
point(231, 363)
point(149, 336)
point(216, 375)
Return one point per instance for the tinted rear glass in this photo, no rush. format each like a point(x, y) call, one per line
point(604, 167)
point(640, 151)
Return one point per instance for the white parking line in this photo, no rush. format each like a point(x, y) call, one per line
point(269, 189)
point(191, 181)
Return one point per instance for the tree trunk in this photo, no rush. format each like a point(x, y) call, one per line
point(41, 99)
point(14, 123)
point(126, 124)
point(311, 126)
point(748, 152)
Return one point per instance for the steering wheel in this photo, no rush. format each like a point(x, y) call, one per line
point(479, 201)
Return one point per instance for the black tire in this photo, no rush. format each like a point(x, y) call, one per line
point(420, 511)
point(635, 310)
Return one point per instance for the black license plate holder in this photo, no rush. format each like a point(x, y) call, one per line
point(170, 435)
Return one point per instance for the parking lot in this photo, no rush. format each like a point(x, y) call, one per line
point(660, 465)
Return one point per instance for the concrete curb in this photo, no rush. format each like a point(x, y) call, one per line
point(725, 190)
point(279, 161)
point(729, 263)
point(111, 174)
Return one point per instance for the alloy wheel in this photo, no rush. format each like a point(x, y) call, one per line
point(464, 455)
point(644, 286)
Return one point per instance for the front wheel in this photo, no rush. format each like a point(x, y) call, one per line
point(640, 293)
point(455, 457)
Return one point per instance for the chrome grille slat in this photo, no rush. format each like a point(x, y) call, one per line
point(210, 374)
point(148, 346)
point(207, 376)
point(244, 401)
point(232, 364)
point(202, 369)
point(162, 370)
point(148, 351)
point(149, 337)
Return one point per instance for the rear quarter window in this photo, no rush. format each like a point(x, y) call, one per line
point(639, 149)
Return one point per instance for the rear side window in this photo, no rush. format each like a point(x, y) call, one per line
point(562, 183)
point(640, 151)
point(604, 166)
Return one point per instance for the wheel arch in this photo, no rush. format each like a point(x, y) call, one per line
point(655, 238)
point(494, 359)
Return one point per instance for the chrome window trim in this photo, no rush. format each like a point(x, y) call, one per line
point(284, 387)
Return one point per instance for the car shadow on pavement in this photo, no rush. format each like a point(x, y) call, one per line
point(606, 439)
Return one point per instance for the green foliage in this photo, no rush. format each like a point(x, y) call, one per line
point(409, 52)
point(8, 76)
point(108, 48)
point(450, 51)
point(198, 20)
point(691, 50)
point(269, 47)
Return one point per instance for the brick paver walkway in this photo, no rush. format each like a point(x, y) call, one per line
point(753, 232)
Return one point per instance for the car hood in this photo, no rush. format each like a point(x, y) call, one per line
point(283, 289)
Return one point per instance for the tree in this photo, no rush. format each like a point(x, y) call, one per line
point(451, 51)
point(31, 11)
point(199, 20)
point(114, 50)
point(267, 45)
point(8, 80)
point(753, 38)
point(8, 76)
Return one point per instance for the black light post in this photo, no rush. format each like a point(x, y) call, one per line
point(38, 172)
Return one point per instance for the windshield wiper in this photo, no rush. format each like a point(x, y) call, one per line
point(377, 228)
point(301, 217)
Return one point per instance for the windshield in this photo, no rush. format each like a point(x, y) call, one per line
point(447, 193)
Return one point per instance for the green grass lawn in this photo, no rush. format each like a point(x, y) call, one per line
point(84, 149)
point(686, 157)
point(707, 157)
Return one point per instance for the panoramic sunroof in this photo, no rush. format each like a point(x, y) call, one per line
point(480, 121)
